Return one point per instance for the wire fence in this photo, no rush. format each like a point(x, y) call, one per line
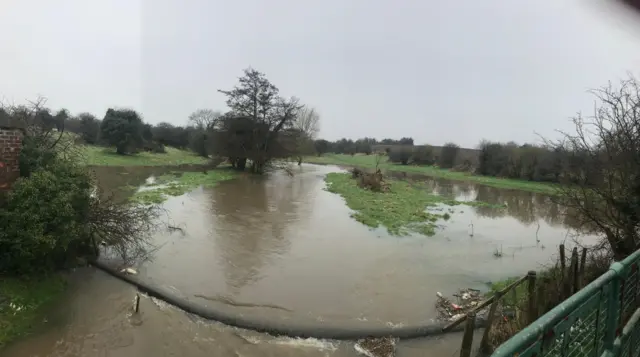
point(602, 319)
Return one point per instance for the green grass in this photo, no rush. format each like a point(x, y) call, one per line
point(179, 183)
point(100, 156)
point(369, 161)
point(402, 210)
point(22, 301)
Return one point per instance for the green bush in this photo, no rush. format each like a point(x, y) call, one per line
point(44, 219)
point(400, 155)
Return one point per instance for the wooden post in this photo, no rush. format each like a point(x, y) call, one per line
point(574, 271)
point(467, 339)
point(583, 263)
point(484, 344)
point(137, 305)
point(563, 268)
point(532, 314)
point(541, 298)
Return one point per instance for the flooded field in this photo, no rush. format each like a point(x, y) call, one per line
point(282, 248)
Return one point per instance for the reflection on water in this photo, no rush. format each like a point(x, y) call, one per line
point(284, 241)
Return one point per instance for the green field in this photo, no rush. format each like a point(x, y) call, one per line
point(179, 183)
point(101, 156)
point(369, 161)
point(401, 210)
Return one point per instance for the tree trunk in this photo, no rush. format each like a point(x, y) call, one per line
point(299, 160)
point(241, 163)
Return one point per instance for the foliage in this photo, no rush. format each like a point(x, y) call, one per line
point(601, 167)
point(198, 142)
point(423, 155)
point(124, 129)
point(400, 155)
point(448, 155)
point(401, 208)
point(321, 146)
point(259, 123)
point(89, 128)
point(45, 233)
point(51, 216)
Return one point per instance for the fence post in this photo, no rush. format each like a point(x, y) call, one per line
point(467, 339)
point(574, 271)
point(613, 308)
point(532, 314)
point(484, 344)
point(583, 263)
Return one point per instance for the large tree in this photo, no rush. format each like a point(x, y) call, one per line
point(258, 114)
point(122, 128)
point(89, 127)
point(307, 126)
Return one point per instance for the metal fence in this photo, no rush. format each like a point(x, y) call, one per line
point(601, 320)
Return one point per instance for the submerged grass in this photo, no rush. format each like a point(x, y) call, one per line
point(22, 301)
point(101, 156)
point(179, 183)
point(369, 161)
point(403, 209)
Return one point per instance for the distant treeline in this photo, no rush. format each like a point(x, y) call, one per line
point(154, 137)
point(510, 160)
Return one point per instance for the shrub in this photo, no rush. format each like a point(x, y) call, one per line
point(123, 129)
point(448, 155)
point(423, 155)
point(45, 218)
point(400, 155)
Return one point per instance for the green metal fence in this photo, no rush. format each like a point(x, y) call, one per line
point(603, 319)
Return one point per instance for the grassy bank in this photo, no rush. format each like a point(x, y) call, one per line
point(101, 156)
point(369, 161)
point(179, 183)
point(22, 301)
point(402, 210)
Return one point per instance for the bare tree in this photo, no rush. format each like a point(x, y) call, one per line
point(601, 167)
point(307, 125)
point(204, 118)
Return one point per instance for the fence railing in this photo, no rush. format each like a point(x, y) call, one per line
point(602, 319)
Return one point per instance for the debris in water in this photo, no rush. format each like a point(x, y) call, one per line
point(130, 271)
point(467, 299)
point(377, 347)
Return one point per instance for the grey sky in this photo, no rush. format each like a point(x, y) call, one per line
point(433, 70)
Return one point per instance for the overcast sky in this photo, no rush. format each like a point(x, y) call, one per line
point(434, 70)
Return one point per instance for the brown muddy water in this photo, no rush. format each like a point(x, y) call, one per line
point(289, 249)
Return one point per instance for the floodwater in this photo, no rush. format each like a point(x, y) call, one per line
point(286, 250)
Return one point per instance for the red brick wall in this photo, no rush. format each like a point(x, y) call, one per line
point(10, 145)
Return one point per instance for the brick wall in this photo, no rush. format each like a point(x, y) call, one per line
point(10, 145)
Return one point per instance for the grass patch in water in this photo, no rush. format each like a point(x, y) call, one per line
point(179, 183)
point(101, 156)
point(22, 301)
point(369, 161)
point(402, 210)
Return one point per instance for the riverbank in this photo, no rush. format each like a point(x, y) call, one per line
point(406, 208)
point(369, 162)
point(22, 301)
